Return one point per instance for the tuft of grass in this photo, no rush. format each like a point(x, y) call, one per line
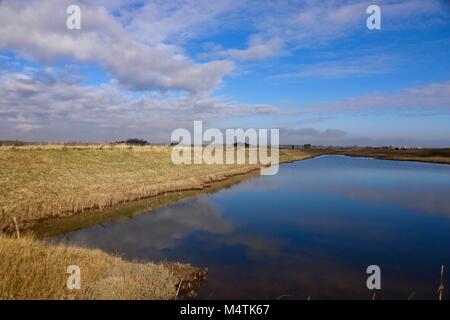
point(31, 269)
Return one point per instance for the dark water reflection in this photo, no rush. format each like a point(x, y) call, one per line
point(311, 230)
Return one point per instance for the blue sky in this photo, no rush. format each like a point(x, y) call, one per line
point(310, 68)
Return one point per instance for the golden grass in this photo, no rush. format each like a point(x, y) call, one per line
point(38, 182)
point(32, 269)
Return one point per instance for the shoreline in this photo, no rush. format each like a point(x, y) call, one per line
point(56, 225)
point(393, 158)
point(432, 156)
point(184, 279)
point(43, 227)
point(208, 181)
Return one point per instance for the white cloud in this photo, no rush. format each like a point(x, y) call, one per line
point(303, 22)
point(316, 23)
point(257, 50)
point(426, 99)
point(291, 135)
point(280, 27)
point(348, 67)
point(177, 21)
point(37, 30)
point(46, 105)
point(140, 44)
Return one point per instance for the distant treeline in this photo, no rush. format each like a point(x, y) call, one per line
point(18, 143)
point(135, 142)
point(15, 143)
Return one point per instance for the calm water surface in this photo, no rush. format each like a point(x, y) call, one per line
point(311, 230)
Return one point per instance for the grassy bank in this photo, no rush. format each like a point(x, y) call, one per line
point(32, 269)
point(37, 183)
point(64, 224)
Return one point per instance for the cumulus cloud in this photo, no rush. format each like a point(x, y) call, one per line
point(37, 29)
point(137, 45)
point(45, 104)
point(140, 46)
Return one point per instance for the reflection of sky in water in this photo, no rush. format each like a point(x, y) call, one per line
point(311, 230)
point(149, 234)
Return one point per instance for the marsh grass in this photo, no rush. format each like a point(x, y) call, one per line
point(32, 269)
point(39, 182)
point(128, 210)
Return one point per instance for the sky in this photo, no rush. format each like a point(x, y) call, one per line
point(140, 69)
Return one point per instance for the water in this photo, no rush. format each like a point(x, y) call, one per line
point(311, 230)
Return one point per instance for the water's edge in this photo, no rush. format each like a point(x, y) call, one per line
point(54, 226)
